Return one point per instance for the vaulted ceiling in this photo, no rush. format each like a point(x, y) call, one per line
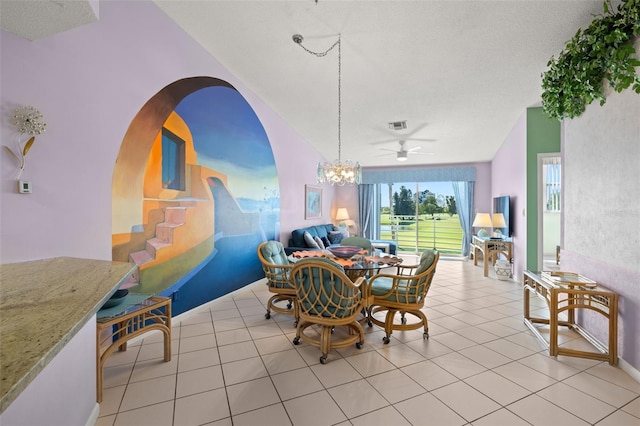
point(460, 73)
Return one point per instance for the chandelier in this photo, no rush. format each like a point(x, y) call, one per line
point(337, 172)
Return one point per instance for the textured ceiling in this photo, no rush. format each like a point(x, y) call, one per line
point(459, 72)
point(34, 19)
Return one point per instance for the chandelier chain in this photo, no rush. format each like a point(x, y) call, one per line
point(338, 172)
point(339, 99)
point(320, 55)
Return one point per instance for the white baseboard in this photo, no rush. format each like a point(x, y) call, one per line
point(95, 413)
point(629, 369)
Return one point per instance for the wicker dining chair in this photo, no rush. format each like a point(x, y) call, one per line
point(277, 268)
point(327, 299)
point(403, 293)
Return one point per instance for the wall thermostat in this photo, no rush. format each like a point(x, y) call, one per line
point(24, 187)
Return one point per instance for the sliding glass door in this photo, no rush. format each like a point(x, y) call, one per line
point(420, 216)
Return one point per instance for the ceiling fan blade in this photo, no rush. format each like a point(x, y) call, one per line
point(415, 148)
point(420, 140)
point(384, 142)
point(416, 130)
point(397, 140)
point(390, 150)
point(422, 153)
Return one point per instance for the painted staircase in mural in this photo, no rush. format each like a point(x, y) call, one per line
point(175, 217)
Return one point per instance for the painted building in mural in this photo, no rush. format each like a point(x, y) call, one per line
point(195, 190)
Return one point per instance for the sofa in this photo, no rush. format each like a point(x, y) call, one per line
point(328, 233)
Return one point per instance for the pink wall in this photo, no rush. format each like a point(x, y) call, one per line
point(89, 83)
point(508, 177)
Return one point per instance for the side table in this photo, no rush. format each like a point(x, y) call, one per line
point(490, 250)
point(152, 313)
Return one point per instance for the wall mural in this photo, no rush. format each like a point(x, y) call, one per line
point(195, 190)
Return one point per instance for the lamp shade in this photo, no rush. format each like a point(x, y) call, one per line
point(482, 220)
point(498, 221)
point(342, 214)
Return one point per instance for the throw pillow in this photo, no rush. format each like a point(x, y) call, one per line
point(319, 243)
point(311, 243)
point(335, 237)
point(326, 242)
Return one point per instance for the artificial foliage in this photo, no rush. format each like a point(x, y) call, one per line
point(601, 54)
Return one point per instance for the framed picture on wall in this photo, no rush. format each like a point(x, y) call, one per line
point(313, 202)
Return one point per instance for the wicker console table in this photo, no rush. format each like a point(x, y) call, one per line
point(567, 296)
point(490, 250)
point(153, 313)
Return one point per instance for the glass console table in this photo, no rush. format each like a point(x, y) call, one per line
point(565, 293)
point(138, 314)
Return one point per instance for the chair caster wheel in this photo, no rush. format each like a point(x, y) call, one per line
point(425, 335)
point(403, 321)
point(323, 359)
point(370, 324)
point(358, 345)
point(386, 340)
point(296, 340)
point(267, 315)
point(289, 305)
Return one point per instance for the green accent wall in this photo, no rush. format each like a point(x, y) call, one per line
point(543, 135)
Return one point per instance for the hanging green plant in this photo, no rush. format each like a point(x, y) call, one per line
point(603, 51)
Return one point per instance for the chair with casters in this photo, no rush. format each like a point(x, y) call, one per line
point(357, 242)
point(328, 300)
point(402, 293)
point(277, 268)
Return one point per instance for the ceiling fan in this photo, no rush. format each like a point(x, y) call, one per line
point(403, 153)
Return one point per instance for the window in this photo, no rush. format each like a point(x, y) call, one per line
point(173, 167)
point(551, 169)
point(419, 216)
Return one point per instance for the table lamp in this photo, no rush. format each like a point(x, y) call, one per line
point(482, 220)
point(498, 222)
point(342, 214)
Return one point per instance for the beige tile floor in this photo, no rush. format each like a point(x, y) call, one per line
point(481, 366)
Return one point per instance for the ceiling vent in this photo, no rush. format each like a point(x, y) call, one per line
point(398, 125)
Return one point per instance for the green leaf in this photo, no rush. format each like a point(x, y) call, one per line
point(602, 51)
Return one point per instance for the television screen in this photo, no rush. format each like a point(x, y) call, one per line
point(502, 205)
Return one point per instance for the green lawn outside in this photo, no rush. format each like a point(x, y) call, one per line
point(417, 237)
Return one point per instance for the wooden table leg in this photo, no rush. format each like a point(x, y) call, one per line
point(613, 330)
point(553, 323)
point(485, 261)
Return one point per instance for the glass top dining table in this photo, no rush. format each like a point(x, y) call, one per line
point(359, 265)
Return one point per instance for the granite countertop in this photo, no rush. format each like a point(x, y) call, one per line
point(43, 304)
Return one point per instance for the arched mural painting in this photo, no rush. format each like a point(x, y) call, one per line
point(195, 190)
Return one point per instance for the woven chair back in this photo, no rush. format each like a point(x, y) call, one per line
point(275, 264)
point(324, 290)
point(411, 285)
